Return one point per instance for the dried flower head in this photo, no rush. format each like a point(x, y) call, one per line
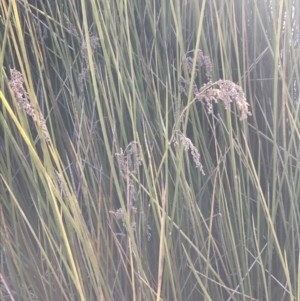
point(119, 215)
point(16, 83)
point(201, 60)
point(224, 90)
point(71, 27)
point(183, 85)
point(130, 159)
point(204, 60)
point(227, 92)
point(188, 62)
point(60, 184)
point(188, 145)
point(208, 95)
point(82, 77)
point(94, 42)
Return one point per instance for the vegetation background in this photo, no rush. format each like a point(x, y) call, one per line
point(122, 178)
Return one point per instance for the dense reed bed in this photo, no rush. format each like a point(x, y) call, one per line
point(149, 150)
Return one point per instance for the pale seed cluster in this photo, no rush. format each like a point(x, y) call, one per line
point(16, 84)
